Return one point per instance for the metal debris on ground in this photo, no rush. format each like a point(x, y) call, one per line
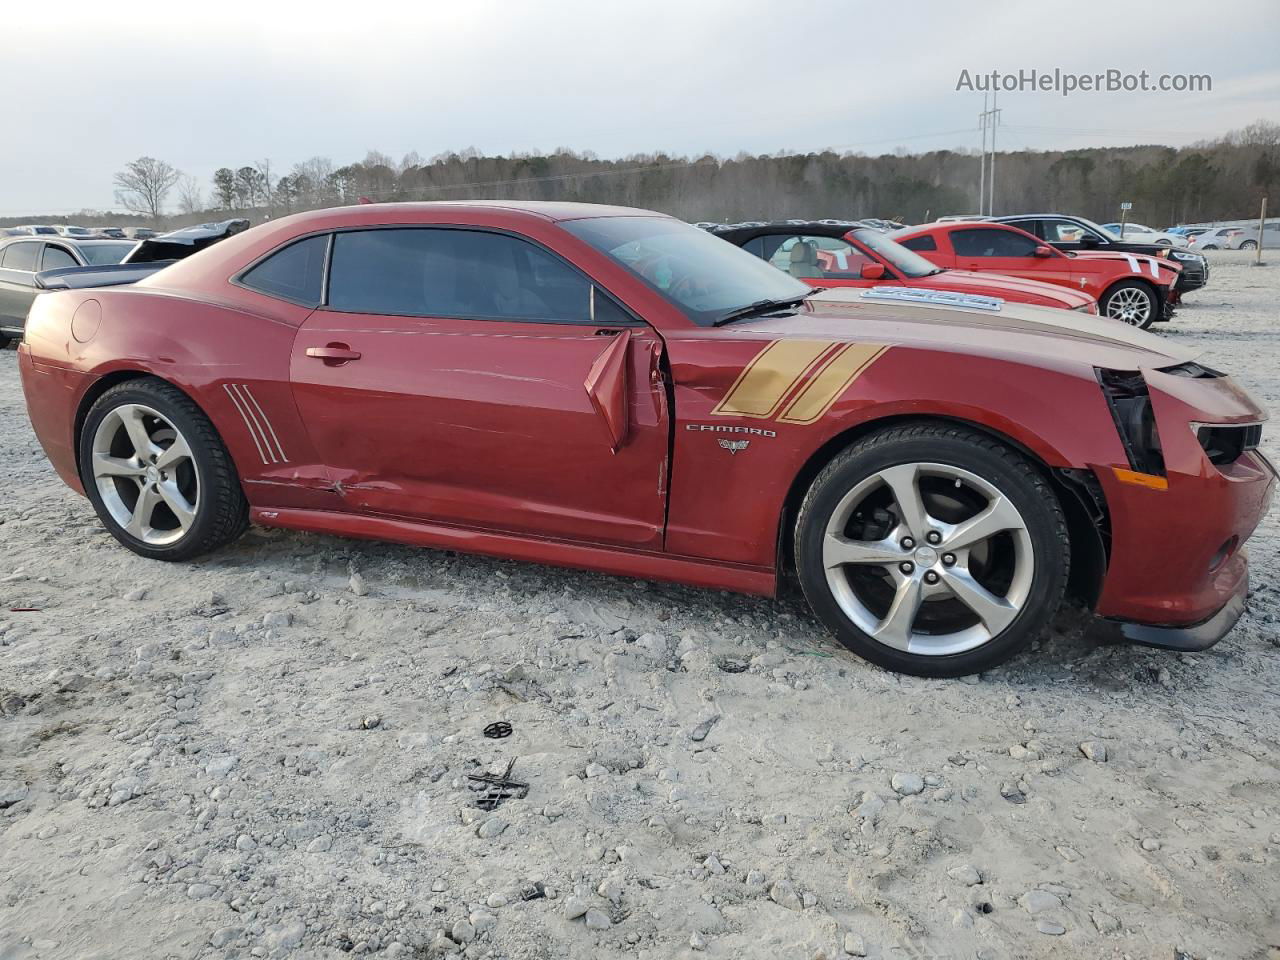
point(497, 789)
point(498, 730)
point(533, 891)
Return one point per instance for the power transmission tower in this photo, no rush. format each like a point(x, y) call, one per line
point(991, 191)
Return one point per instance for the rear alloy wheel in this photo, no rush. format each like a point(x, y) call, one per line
point(1248, 244)
point(932, 550)
point(157, 473)
point(1131, 302)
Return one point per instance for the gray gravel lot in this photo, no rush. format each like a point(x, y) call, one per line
point(265, 753)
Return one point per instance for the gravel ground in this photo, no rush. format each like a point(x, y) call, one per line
point(265, 753)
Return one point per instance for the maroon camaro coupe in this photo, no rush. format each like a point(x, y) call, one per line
point(613, 389)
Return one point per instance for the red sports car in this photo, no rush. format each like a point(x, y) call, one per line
point(833, 253)
point(613, 389)
point(1132, 287)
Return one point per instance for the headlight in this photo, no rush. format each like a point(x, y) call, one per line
point(1193, 257)
point(1130, 403)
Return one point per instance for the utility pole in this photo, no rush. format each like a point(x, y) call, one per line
point(995, 122)
point(982, 164)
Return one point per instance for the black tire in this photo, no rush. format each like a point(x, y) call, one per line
point(1153, 302)
point(222, 513)
point(1248, 244)
point(1012, 474)
point(4, 342)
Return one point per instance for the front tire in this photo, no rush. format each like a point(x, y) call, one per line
point(1132, 302)
point(158, 474)
point(932, 550)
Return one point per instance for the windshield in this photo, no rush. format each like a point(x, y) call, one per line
point(706, 277)
point(907, 262)
point(97, 254)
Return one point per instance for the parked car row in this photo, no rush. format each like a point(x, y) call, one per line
point(82, 233)
point(979, 258)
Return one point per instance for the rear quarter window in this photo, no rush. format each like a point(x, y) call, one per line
point(294, 273)
point(925, 242)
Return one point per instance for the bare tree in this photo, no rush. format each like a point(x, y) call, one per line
point(190, 196)
point(266, 185)
point(143, 185)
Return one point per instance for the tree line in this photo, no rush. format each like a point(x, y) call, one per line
point(1211, 180)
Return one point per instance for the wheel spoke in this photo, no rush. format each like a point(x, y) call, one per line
point(181, 507)
point(143, 511)
point(838, 550)
point(108, 466)
point(906, 493)
point(143, 445)
point(174, 454)
point(998, 515)
point(996, 613)
point(895, 629)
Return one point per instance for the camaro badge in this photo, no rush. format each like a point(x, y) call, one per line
point(733, 446)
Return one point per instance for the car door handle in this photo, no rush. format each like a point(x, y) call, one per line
point(333, 354)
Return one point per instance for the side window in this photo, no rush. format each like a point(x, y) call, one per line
point(429, 272)
point(1036, 227)
point(813, 258)
point(295, 273)
point(755, 247)
point(992, 242)
point(57, 257)
point(20, 256)
point(922, 242)
point(1063, 231)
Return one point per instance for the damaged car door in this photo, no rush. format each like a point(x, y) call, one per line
point(473, 377)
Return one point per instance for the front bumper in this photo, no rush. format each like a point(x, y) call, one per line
point(1178, 571)
point(1196, 636)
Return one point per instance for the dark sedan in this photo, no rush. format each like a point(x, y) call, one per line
point(1077, 233)
point(22, 257)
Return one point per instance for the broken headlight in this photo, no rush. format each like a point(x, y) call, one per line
point(1130, 405)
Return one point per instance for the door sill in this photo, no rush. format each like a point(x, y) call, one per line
point(613, 560)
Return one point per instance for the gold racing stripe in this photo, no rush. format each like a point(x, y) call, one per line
point(827, 385)
point(765, 382)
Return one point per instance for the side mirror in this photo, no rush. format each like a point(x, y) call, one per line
point(1088, 240)
point(1043, 251)
point(872, 271)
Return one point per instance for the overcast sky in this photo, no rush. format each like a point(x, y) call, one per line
point(203, 86)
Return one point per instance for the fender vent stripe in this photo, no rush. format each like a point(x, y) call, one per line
point(829, 383)
point(256, 421)
point(769, 377)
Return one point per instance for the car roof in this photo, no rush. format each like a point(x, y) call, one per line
point(542, 209)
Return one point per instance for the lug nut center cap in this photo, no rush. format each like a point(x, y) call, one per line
point(926, 556)
point(153, 475)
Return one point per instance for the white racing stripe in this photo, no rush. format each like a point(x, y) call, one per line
point(257, 422)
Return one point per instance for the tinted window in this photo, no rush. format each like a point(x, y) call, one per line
point(1062, 231)
point(294, 273)
point(20, 256)
point(755, 247)
point(100, 253)
point(924, 242)
point(426, 272)
point(992, 242)
point(57, 257)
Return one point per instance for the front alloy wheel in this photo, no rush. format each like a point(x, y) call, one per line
point(932, 549)
point(1131, 302)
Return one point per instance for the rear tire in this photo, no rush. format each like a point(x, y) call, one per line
point(1248, 244)
point(1132, 302)
point(158, 474)
point(924, 589)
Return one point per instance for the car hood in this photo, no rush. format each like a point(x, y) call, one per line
point(182, 243)
point(1041, 336)
point(992, 284)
